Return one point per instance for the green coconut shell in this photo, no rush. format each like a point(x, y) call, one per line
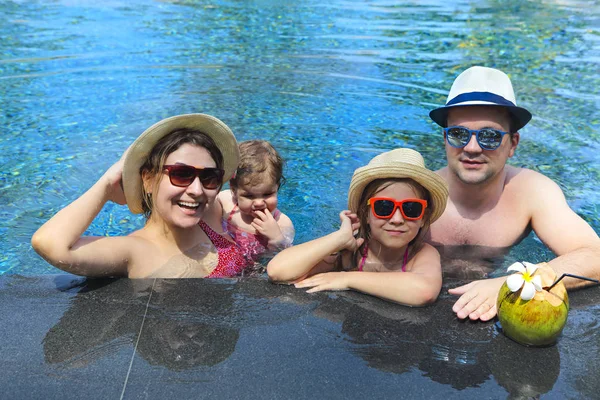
point(535, 322)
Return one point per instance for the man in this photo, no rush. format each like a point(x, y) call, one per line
point(493, 206)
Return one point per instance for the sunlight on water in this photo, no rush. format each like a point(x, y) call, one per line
point(330, 84)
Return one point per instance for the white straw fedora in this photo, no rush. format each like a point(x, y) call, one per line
point(482, 86)
point(139, 151)
point(400, 163)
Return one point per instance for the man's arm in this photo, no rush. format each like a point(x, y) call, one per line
point(558, 227)
point(565, 233)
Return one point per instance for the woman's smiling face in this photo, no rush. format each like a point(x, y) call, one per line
point(182, 207)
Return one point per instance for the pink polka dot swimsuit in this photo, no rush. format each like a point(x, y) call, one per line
point(253, 245)
point(231, 260)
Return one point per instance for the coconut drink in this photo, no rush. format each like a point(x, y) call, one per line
point(532, 306)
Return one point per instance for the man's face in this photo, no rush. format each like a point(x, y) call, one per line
point(471, 164)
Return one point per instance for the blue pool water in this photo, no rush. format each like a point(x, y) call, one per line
point(331, 84)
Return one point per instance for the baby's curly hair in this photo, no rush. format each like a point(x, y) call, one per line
point(257, 157)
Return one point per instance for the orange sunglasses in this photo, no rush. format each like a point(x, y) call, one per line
point(385, 207)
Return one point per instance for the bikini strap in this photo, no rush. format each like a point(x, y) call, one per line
point(364, 258)
point(405, 260)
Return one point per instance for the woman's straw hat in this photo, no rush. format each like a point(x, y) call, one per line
point(482, 86)
point(139, 151)
point(400, 163)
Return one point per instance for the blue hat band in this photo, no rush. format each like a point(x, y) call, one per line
point(481, 96)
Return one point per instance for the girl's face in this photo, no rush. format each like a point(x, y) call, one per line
point(251, 198)
point(395, 232)
point(182, 207)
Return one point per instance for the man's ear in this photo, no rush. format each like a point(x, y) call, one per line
point(514, 141)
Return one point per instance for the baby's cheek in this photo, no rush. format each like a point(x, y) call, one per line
point(272, 204)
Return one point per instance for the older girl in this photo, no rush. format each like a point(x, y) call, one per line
point(392, 201)
point(172, 173)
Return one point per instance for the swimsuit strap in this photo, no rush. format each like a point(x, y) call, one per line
point(217, 240)
point(405, 260)
point(364, 258)
point(233, 210)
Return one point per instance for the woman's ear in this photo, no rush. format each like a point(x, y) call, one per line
point(148, 181)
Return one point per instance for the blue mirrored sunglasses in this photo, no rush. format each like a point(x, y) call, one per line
point(487, 138)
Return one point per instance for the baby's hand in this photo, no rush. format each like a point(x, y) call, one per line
point(350, 223)
point(265, 224)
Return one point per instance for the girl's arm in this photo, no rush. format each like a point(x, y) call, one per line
point(59, 240)
point(418, 287)
point(299, 261)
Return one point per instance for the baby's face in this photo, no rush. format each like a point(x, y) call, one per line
point(252, 198)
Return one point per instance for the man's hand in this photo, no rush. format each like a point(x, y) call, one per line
point(325, 281)
point(477, 299)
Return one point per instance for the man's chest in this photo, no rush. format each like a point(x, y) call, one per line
point(501, 227)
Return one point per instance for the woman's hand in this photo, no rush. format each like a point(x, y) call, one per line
point(350, 224)
point(114, 181)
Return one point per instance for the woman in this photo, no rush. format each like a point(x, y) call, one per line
point(172, 173)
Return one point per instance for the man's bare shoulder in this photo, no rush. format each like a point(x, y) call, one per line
point(526, 180)
point(443, 172)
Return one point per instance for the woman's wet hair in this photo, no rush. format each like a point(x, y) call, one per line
point(257, 157)
point(364, 209)
point(164, 147)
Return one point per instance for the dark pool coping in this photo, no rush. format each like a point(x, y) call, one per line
point(68, 337)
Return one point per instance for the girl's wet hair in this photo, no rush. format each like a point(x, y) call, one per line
point(257, 158)
point(164, 147)
point(364, 209)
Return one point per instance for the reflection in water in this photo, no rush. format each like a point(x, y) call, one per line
point(180, 331)
point(461, 354)
point(183, 345)
point(470, 262)
point(196, 322)
point(524, 374)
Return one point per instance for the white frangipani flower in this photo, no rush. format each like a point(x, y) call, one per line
point(523, 278)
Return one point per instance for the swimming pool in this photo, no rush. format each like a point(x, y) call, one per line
point(331, 85)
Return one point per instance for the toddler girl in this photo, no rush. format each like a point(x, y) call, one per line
point(249, 209)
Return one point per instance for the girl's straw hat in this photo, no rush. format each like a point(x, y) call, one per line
point(400, 163)
point(139, 151)
point(482, 86)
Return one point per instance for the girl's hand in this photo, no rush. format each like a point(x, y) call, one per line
point(350, 223)
point(114, 181)
point(266, 225)
point(325, 281)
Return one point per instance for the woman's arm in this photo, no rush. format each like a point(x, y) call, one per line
point(59, 240)
point(298, 261)
point(418, 287)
